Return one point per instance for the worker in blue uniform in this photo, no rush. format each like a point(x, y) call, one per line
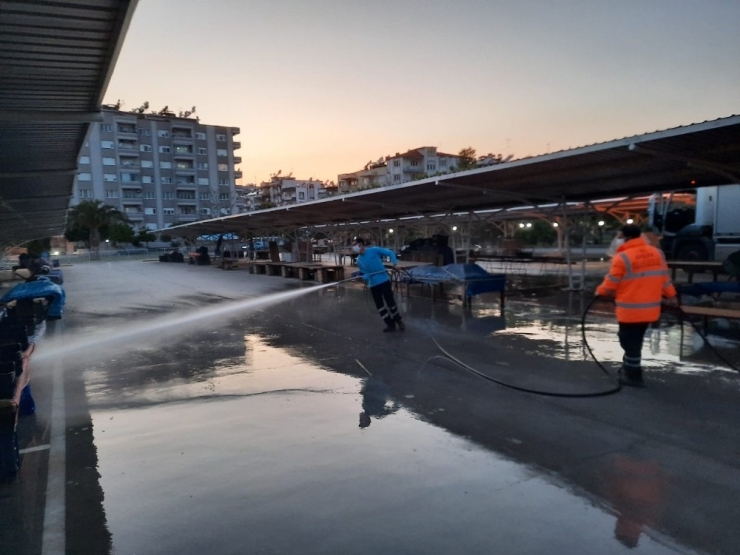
point(370, 263)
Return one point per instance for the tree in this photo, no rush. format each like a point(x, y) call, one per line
point(118, 232)
point(467, 159)
point(144, 235)
point(90, 221)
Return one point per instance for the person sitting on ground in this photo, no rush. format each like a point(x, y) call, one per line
point(373, 272)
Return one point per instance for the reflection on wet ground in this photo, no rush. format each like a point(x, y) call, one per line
point(302, 427)
point(271, 443)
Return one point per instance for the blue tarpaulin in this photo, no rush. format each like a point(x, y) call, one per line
point(474, 278)
point(41, 288)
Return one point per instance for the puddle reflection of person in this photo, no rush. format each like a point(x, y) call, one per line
point(375, 397)
point(637, 491)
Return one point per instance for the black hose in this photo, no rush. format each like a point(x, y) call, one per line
point(683, 316)
point(617, 386)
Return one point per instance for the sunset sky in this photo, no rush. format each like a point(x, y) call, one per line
point(320, 87)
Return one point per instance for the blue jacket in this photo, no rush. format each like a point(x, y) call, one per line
point(370, 264)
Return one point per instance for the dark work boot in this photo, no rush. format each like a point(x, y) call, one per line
point(400, 324)
point(389, 329)
point(390, 325)
point(631, 378)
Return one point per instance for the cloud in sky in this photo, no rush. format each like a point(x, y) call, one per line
point(323, 86)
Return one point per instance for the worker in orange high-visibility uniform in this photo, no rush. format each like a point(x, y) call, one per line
point(638, 280)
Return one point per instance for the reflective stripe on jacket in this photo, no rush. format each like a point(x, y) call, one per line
point(638, 278)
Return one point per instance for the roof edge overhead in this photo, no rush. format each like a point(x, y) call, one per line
point(56, 61)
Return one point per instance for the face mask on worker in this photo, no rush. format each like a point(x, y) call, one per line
point(356, 249)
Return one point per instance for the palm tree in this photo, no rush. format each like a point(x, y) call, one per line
point(89, 221)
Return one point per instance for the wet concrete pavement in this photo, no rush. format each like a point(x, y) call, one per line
point(300, 427)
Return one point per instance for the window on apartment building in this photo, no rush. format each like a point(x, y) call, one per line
point(222, 152)
point(220, 137)
point(200, 136)
point(201, 150)
point(301, 196)
point(203, 181)
point(165, 180)
point(106, 127)
point(164, 149)
point(202, 165)
point(84, 193)
point(145, 148)
point(223, 196)
point(184, 165)
point(223, 167)
point(396, 163)
point(168, 196)
point(397, 178)
point(187, 210)
point(144, 132)
point(223, 182)
point(168, 211)
point(106, 144)
point(110, 193)
point(146, 179)
point(164, 134)
point(431, 166)
point(84, 177)
point(149, 195)
point(150, 211)
point(109, 161)
point(414, 163)
point(147, 164)
point(443, 161)
point(205, 211)
point(165, 165)
point(185, 195)
point(84, 159)
point(204, 196)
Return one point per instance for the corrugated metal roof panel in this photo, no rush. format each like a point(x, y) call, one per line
point(56, 59)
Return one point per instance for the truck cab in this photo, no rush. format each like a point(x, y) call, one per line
point(707, 229)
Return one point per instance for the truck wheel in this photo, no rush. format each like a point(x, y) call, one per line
point(692, 251)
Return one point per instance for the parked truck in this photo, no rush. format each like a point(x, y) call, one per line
point(707, 230)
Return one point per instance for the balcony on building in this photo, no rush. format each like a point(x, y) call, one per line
point(184, 165)
point(131, 181)
point(126, 128)
point(128, 146)
point(238, 174)
point(131, 195)
point(128, 162)
point(235, 130)
point(182, 150)
point(182, 182)
point(236, 145)
point(182, 133)
point(237, 159)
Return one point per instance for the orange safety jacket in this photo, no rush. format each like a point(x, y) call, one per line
point(638, 278)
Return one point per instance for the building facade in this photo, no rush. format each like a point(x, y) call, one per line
point(403, 167)
point(281, 191)
point(159, 169)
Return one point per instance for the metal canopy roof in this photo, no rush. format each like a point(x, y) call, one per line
point(56, 59)
point(697, 155)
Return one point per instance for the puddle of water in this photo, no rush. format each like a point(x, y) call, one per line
point(275, 461)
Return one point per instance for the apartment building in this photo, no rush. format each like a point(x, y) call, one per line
point(280, 191)
point(401, 168)
point(159, 168)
